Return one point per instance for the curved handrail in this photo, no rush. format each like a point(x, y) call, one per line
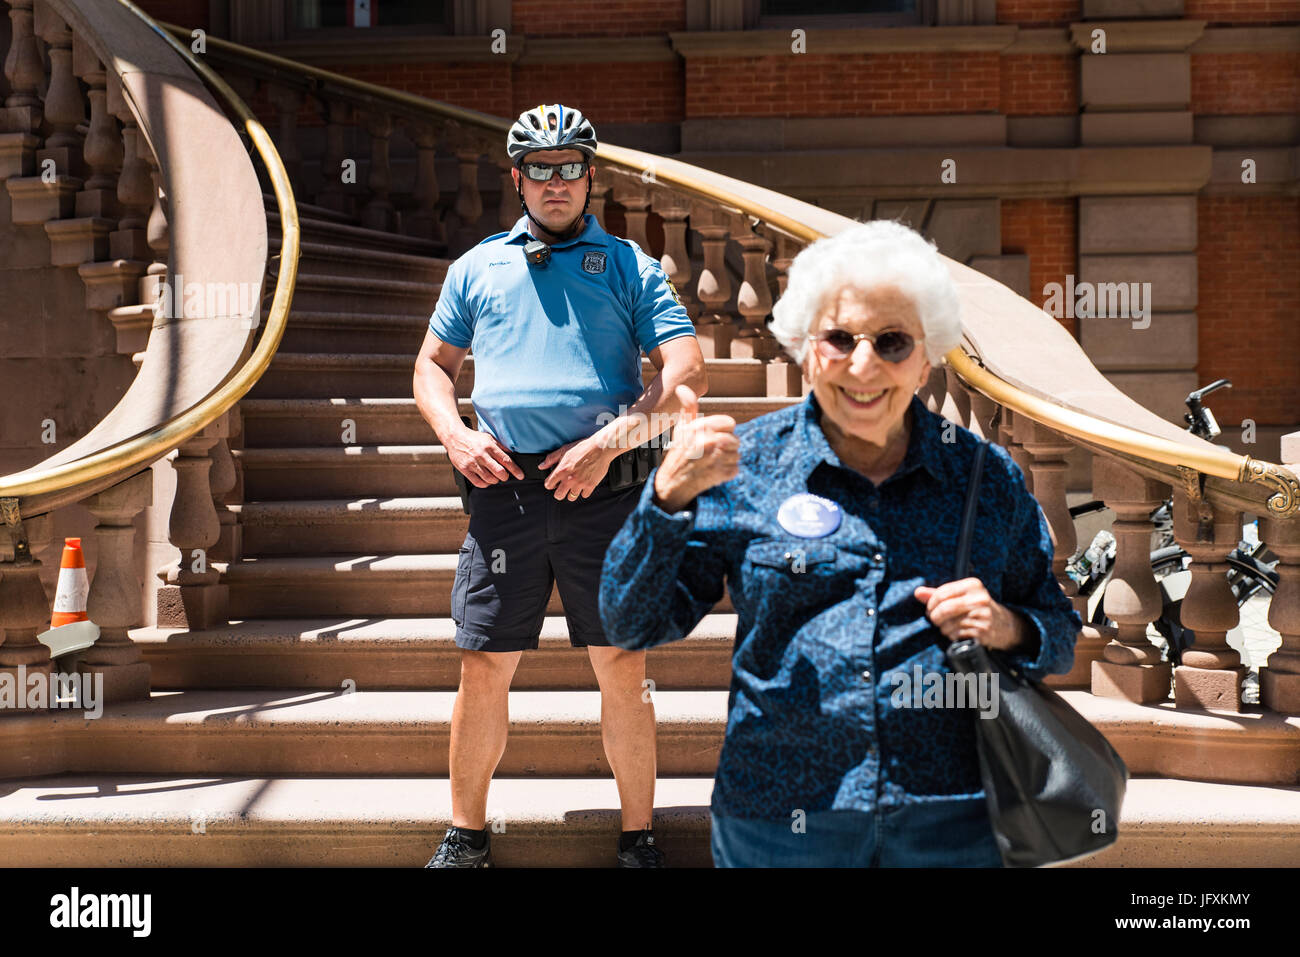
point(806, 223)
point(146, 447)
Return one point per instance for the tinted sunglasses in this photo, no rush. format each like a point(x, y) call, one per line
point(892, 346)
point(542, 172)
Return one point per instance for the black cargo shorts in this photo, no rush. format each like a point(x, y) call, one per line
point(521, 541)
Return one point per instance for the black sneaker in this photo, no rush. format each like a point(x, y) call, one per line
point(643, 853)
point(455, 851)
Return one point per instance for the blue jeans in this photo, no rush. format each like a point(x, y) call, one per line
point(934, 834)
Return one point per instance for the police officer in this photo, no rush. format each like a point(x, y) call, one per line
point(558, 313)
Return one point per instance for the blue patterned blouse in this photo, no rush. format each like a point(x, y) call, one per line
point(828, 626)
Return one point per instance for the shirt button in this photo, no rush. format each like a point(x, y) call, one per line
point(866, 676)
point(877, 557)
point(871, 612)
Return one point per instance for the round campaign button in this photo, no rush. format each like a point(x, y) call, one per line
point(809, 516)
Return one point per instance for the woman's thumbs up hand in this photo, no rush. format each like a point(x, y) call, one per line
point(704, 452)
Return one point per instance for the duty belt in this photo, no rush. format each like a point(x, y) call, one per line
point(630, 468)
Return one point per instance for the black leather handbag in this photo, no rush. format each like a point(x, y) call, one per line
point(1054, 784)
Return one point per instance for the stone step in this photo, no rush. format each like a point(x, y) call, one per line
point(370, 585)
point(349, 734)
point(281, 423)
point(311, 211)
point(402, 653)
point(175, 820)
point(322, 230)
point(168, 820)
point(317, 292)
point(354, 332)
point(301, 375)
point(335, 526)
point(337, 259)
point(313, 473)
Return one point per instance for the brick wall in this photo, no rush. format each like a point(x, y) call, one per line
point(848, 85)
point(1039, 85)
point(1253, 12)
point(1045, 230)
point(596, 18)
point(1248, 281)
point(606, 92)
point(1038, 13)
point(1247, 83)
point(478, 86)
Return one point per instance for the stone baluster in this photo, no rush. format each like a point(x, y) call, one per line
point(116, 285)
point(84, 237)
point(982, 411)
point(153, 284)
point(508, 211)
point(114, 600)
point(954, 404)
point(24, 606)
point(193, 596)
point(602, 183)
point(103, 151)
point(332, 195)
point(784, 376)
point(378, 212)
point(20, 117)
point(65, 109)
point(287, 102)
point(1279, 679)
point(1211, 673)
point(1019, 425)
point(1131, 667)
point(222, 480)
point(23, 112)
point(673, 209)
point(1047, 450)
point(713, 289)
point(426, 222)
point(463, 232)
point(48, 189)
point(754, 297)
point(634, 197)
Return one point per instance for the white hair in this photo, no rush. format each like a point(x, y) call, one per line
point(881, 252)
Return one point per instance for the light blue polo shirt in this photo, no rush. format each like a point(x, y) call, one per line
point(556, 346)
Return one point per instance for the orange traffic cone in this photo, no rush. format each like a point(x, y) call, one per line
point(74, 586)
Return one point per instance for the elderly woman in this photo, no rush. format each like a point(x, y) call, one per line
point(833, 524)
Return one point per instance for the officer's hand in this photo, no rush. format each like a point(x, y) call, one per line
point(480, 458)
point(965, 609)
point(704, 452)
point(582, 467)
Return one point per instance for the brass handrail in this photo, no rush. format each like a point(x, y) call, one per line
point(1284, 501)
point(167, 436)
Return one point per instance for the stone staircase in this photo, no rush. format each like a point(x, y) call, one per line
point(313, 729)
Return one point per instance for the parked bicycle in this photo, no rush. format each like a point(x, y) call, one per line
point(1252, 567)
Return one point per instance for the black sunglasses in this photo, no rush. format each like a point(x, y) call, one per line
point(542, 172)
point(892, 346)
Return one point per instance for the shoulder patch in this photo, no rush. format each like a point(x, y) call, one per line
point(593, 262)
point(673, 289)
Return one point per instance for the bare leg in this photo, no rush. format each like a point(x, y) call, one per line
point(627, 725)
point(480, 722)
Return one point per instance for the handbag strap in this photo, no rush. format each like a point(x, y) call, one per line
point(962, 561)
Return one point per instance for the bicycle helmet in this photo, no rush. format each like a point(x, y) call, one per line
point(552, 127)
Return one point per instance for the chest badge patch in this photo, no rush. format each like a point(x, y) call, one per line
point(809, 516)
point(593, 262)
